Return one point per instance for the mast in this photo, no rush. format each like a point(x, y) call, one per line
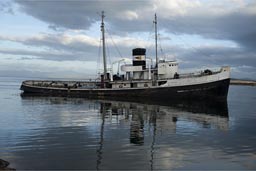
point(155, 22)
point(103, 44)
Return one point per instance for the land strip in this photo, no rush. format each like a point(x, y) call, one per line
point(242, 82)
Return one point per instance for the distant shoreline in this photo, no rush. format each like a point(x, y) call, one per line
point(242, 82)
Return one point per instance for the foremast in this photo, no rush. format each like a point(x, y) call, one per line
point(155, 23)
point(103, 45)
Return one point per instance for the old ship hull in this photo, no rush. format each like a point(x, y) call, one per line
point(139, 81)
point(216, 89)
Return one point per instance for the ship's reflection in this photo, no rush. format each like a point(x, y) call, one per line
point(146, 121)
point(165, 117)
point(213, 107)
point(161, 118)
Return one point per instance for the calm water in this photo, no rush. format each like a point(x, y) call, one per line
point(65, 133)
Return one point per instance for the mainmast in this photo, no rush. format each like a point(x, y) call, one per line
point(103, 44)
point(155, 22)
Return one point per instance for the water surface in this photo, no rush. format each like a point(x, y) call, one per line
point(72, 133)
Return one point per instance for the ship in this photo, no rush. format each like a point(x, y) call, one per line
point(141, 79)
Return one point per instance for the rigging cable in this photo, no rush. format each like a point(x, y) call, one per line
point(99, 59)
point(149, 37)
point(160, 46)
point(118, 51)
point(108, 52)
point(186, 44)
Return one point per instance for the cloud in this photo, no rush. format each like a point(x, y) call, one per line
point(219, 55)
point(74, 36)
point(56, 47)
point(78, 14)
point(225, 20)
point(47, 55)
point(6, 7)
point(56, 41)
point(244, 71)
point(238, 27)
point(67, 46)
point(242, 63)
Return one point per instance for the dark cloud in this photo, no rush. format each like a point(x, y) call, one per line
point(219, 56)
point(77, 14)
point(6, 7)
point(238, 25)
point(242, 63)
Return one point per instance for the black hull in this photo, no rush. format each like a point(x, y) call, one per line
point(217, 89)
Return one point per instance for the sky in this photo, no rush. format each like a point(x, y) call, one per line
point(61, 38)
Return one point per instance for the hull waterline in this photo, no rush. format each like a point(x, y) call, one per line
point(217, 90)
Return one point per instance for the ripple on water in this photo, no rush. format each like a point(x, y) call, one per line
point(66, 133)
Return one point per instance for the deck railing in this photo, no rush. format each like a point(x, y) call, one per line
point(63, 84)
